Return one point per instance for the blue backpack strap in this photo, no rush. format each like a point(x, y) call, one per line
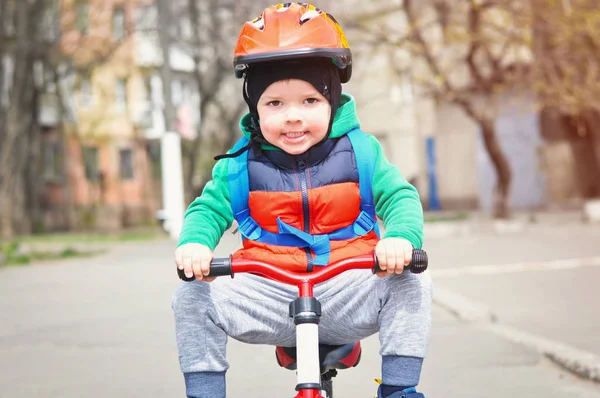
point(365, 162)
point(239, 192)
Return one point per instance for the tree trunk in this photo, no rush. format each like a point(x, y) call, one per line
point(580, 131)
point(501, 198)
point(11, 158)
point(31, 175)
point(193, 161)
point(591, 116)
point(69, 212)
point(15, 216)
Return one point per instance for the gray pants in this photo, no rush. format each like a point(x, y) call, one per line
point(251, 309)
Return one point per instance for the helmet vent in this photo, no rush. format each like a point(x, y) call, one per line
point(259, 23)
point(308, 15)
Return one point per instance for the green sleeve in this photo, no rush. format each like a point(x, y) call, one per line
point(397, 202)
point(209, 215)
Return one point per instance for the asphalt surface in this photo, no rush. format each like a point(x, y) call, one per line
point(103, 326)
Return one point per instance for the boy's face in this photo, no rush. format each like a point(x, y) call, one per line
point(294, 116)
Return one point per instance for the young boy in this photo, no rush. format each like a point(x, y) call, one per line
point(303, 179)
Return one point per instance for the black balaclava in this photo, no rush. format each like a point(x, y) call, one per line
point(320, 72)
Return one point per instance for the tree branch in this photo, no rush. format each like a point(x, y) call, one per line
point(427, 54)
point(474, 25)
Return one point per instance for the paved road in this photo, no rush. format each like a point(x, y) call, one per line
point(103, 327)
point(543, 280)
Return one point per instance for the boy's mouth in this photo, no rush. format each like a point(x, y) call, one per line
point(294, 137)
point(294, 134)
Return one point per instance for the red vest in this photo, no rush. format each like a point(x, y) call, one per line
point(317, 192)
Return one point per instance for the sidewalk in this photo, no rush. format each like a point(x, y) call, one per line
point(448, 223)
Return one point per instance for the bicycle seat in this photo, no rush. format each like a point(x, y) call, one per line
point(330, 356)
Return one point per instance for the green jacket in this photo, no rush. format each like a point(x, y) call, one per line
point(397, 202)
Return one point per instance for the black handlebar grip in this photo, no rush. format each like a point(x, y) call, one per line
point(218, 267)
point(183, 277)
point(419, 261)
point(417, 265)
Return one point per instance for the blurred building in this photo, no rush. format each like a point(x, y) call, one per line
point(112, 111)
point(434, 143)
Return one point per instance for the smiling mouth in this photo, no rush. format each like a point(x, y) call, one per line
point(295, 134)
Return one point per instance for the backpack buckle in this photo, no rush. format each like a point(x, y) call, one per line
point(250, 229)
point(364, 224)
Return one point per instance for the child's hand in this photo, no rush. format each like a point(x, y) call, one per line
point(194, 259)
point(393, 255)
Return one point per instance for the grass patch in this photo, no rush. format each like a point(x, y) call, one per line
point(458, 216)
point(93, 237)
point(12, 254)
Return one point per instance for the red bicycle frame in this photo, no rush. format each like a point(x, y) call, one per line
point(306, 310)
point(304, 280)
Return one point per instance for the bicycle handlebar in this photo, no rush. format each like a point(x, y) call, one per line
point(228, 266)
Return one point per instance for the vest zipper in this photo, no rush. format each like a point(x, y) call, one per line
point(303, 170)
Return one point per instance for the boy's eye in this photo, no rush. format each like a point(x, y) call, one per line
point(274, 103)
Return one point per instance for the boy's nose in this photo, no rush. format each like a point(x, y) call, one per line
point(293, 115)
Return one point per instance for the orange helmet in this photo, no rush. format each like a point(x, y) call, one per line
point(290, 31)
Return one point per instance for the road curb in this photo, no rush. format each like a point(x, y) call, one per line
point(582, 363)
point(579, 362)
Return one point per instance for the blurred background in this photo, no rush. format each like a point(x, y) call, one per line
point(489, 105)
point(111, 112)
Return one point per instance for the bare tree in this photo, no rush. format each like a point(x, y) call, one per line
point(567, 70)
point(19, 95)
point(567, 44)
point(215, 28)
point(464, 52)
point(32, 58)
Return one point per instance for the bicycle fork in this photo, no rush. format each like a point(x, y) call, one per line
point(306, 311)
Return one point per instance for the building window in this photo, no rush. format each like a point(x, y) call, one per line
point(53, 160)
point(86, 96)
point(146, 17)
point(176, 93)
point(185, 28)
point(126, 163)
point(82, 18)
point(148, 114)
point(186, 92)
point(154, 153)
point(51, 22)
point(49, 82)
point(118, 23)
point(38, 74)
point(90, 162)
point(181, 92)
point(121, 94)
point(402, 93)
